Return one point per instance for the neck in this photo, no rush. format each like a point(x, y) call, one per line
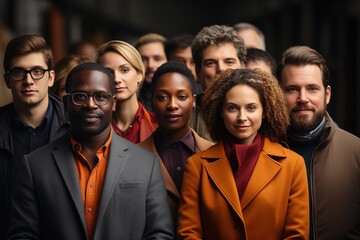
point(125, 112)
point(32, 115)
point(175, 135)
point(310, 135)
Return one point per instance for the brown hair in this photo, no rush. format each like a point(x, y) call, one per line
point(276, 118)
point(26, 44)
point(303, 55)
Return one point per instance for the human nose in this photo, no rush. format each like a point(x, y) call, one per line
point(172, 104)
point(28, 78)
point(241, 115)
point(89, 102)
point(303, 98)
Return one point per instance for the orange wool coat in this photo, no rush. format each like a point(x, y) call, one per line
point(275, 204)
point(201, 144)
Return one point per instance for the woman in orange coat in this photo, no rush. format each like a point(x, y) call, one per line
point(246, 186)
point(130, 119)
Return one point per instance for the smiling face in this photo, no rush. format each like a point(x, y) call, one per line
point(305, 95)
point(242, 113)
point(28, 91)
point(215, 59)
point(127, 79)
point(173, 101)
point(90, 120)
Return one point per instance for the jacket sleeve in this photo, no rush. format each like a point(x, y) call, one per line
point(159, 223)
point(24, 219)
point(297, 220)
point(189, 220)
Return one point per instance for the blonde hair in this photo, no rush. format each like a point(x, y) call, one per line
point(126, 50)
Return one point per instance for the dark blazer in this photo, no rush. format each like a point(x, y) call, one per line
point(59, 126)
point(47, 202)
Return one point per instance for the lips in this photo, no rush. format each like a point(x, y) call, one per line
point(90, 118)
point(28, 91)
point(172, 117)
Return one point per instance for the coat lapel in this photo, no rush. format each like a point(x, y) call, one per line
point(169, 183)
point(220, 172)
point(265, 170)
point(117, 160)
point(64, 158)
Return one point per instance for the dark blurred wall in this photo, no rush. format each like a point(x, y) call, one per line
point(334, 32)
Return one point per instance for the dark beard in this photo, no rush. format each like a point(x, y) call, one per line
point(303, 127)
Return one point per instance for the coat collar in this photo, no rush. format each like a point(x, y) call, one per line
point(220, 172)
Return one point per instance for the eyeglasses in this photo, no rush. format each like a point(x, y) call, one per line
point(18, 74)
point(80, 98)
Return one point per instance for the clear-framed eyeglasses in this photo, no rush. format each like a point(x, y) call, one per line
point(80, 98)
point(19, 74)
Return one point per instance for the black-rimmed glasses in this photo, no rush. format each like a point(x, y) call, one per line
point(19, 74)
point(80, 98)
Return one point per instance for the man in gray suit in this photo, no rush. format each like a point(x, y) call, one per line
point(91, 183)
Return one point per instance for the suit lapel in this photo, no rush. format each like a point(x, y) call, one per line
point(117, 160)
point(220, 172)
point(64, 158)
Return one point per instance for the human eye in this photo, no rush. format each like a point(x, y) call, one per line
point(251, 108)
point(17, 73)
point(101, 97)
point(79, 97)
point(313, 89)
point(182, 97)
point(37, 71)
point(230, 61)
point(124, 70)
point(162, 97)
point(209, 63)
point(291, 90)
point(231, 108)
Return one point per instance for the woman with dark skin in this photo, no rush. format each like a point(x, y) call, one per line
point(172, 91)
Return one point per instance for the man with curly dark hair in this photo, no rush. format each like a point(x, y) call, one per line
point(214, 49)
point(246, 186)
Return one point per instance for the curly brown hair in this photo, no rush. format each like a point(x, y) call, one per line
point(276, 118)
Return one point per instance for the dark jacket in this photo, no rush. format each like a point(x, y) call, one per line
point(335, 184)
point(59, 126)
point(133, 198)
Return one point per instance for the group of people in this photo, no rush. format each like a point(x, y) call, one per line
point(193, 137)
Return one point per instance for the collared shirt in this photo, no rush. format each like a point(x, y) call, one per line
point(26, 138)
point(133, 132)
point(174, 153)
point(91, 180)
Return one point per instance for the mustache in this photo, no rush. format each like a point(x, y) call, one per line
point(302, 108)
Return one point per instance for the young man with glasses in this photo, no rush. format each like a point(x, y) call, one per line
point(90, 183)
point(34, 118)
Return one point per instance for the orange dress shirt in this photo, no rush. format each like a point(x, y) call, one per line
point(91, 180)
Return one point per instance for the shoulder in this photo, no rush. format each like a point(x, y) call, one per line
point(201, 142)
point(278, 152)
point(119, 144)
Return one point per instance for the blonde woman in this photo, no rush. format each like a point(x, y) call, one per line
point(130, 120)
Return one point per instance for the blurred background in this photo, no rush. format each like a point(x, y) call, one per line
point(330, 27)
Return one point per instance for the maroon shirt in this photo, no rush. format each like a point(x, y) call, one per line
point(133, 132)
point(174, 153)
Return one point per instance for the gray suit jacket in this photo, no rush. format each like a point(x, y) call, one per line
point(47, 202)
